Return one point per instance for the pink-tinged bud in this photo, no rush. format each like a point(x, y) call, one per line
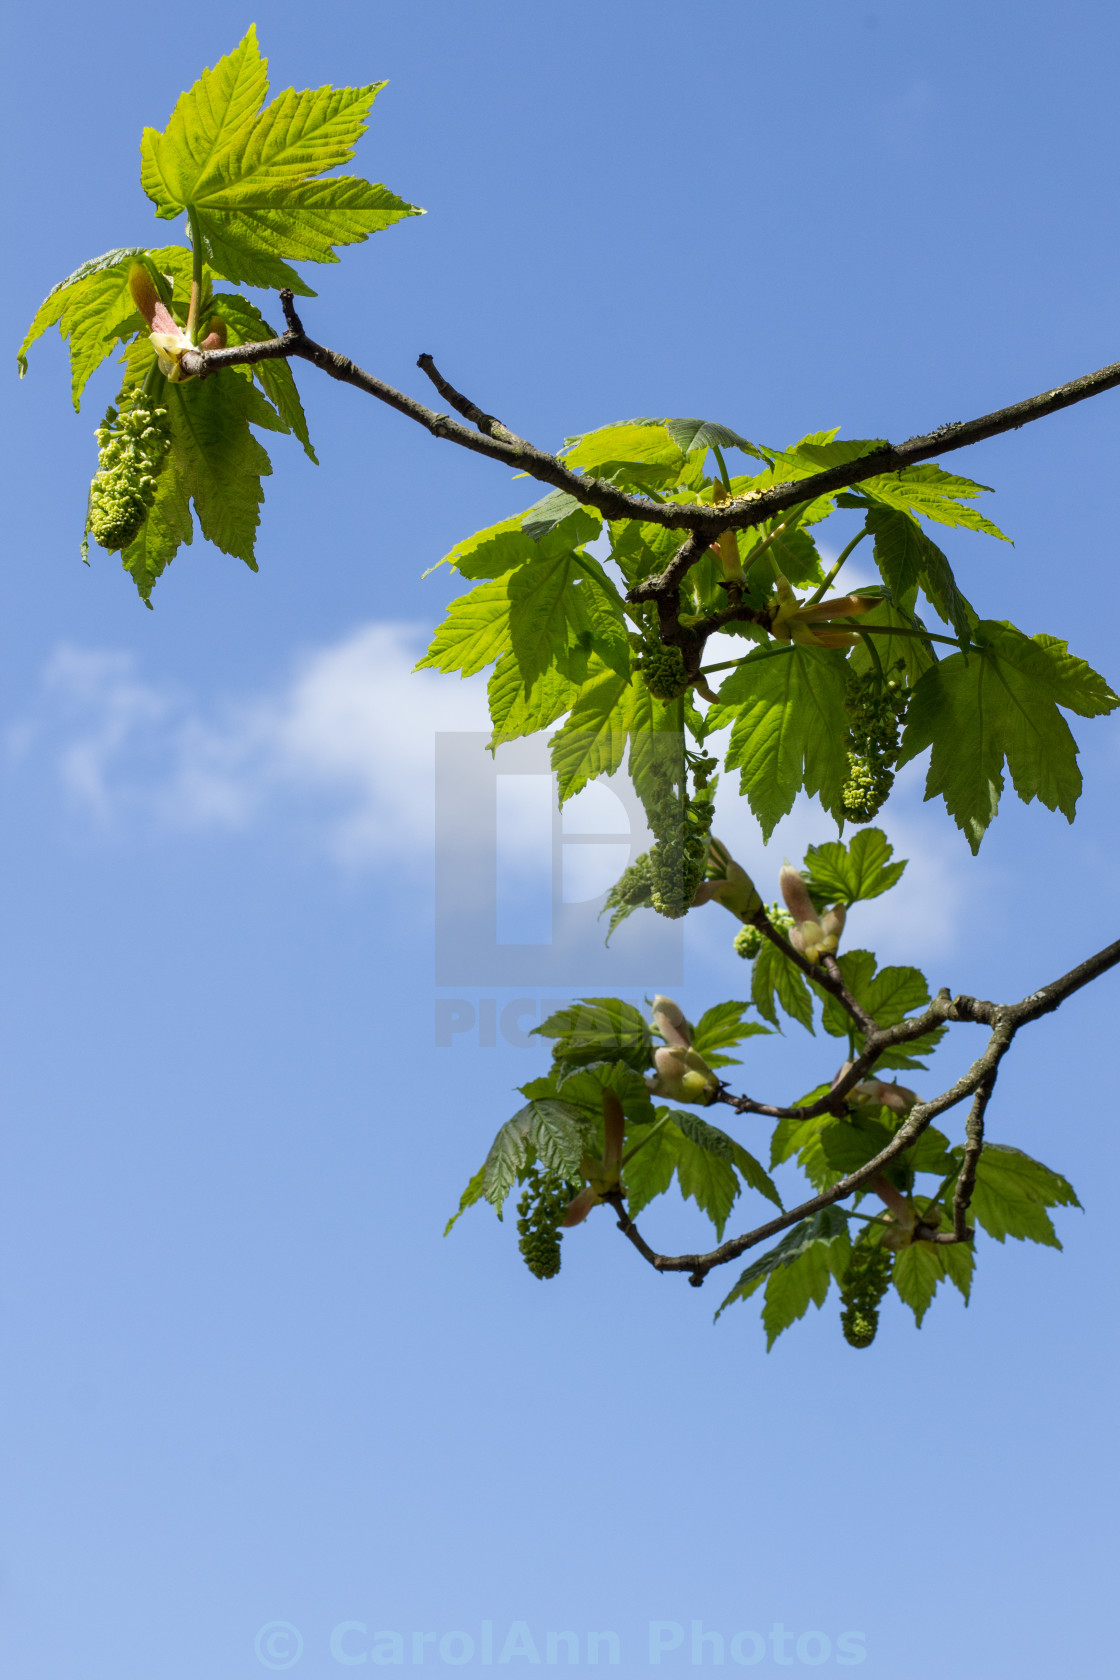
point(147, 300)
point(669, 1020)
point(668, 1059)
point(215, 335)
point(580, 1206)
point(796, 895)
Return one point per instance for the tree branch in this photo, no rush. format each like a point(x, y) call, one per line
point(974, 1146)
point(488, 424)
point(1005, 1021)
point(704, 520)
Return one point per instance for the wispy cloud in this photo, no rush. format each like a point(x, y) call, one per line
point(348, 739)
point(353, 727)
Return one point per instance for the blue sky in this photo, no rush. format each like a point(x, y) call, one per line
point(247, 1382)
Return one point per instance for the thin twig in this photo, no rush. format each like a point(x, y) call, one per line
point(705, 519)
point(1005, 1021)
point(488, 424)
point(974, 1146)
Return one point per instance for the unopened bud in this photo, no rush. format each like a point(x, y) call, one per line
point(215, 334)
point(683, 1075)
point(796, 895)
point(669, 1020)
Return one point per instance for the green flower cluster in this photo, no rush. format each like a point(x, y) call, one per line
point(875, 712)
point(132, 448)
point(748, 940)
point(865, 1283)
point(663, 671)
point(683, 830)
point(542, 1206)
point(632, 891)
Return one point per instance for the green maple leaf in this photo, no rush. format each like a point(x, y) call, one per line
point(1012, 1193)
point(475, 632)
point(1000, 705)
point(168, 525)
point(836, 873)
point(94, 310)
point(928, 489)
point(220, 461)
point(789, 731)
point(796, 1271)
point(250, 178)
point(518, 707)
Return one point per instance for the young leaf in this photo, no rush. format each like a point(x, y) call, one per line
point(219, 460)
point(558, 1133)
point(791, 554)
point(836, 873)
point(790, 730)
point(931, 491)
point(776, 977)
point(611, 715)
point(584, 1087)
point(602, 606)
point(640, 550)
point(719, 1028)
point(796, 1270)
point(93, 305)
point(475, 632)
point(894, 993)
point(704, 1171)
point(491, 552)
point(856, 968)
point(716, 1142)
point(914, 654)
point(704, 1161)
point(1012, 1193)
point(909, 559)
point(1001, 705)
point(509, 1153)
point(706, 434)
point(918, 1269)
point(649, 1171)
point(247, 175)
point(599, 1029)
point(168, 524)
point(471, 1195)
point(521, 708)
point(642, 451)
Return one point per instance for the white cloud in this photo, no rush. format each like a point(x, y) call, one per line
point(353, 726)
point(349, 740)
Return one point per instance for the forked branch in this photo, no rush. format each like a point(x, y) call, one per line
point(708, 521)
point(1005, 1021)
